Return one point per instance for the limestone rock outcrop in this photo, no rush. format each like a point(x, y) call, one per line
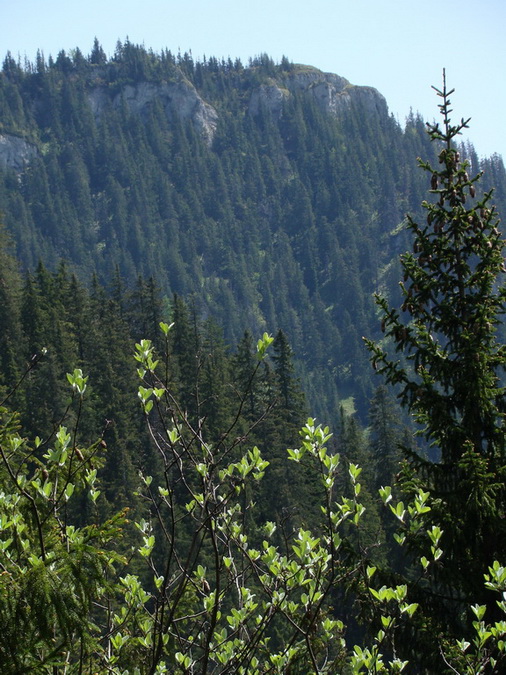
point(179, 99)
point(15, 152)
point(330, 92)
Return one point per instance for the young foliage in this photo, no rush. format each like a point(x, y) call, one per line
point(229, 594)
point(55, 577)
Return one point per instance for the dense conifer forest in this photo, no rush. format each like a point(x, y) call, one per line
point(270, 204)
point(189, 258)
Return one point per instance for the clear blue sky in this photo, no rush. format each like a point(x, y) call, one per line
point(398, 46)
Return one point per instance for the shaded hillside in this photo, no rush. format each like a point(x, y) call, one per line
point(271, 194)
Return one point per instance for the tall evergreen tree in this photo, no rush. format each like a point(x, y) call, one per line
point(386, 437)
point(451, 377)
point(10, 326)
point(290, 396)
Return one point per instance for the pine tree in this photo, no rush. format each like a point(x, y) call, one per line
point(449, 378)
point(186, 347)
point(244, 368)
point(385, 437)
point(98, 56)
point(10, 328)
point(290, 396)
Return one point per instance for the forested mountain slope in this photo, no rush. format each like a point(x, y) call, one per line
point(270, 196)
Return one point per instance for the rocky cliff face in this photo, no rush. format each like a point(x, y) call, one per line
point(269, 96)
point(179, 99)
point(15, 152)
point(331, 92)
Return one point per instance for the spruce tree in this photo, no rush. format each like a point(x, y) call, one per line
point(450, 374)
point(386, 436)
point(289, 394)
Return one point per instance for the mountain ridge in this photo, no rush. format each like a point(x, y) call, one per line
point(278, 214)
point(178, 96)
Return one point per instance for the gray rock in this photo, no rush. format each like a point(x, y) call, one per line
point(331, 92)
point(270, 97)
point(178, 99)
point(15, 152)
